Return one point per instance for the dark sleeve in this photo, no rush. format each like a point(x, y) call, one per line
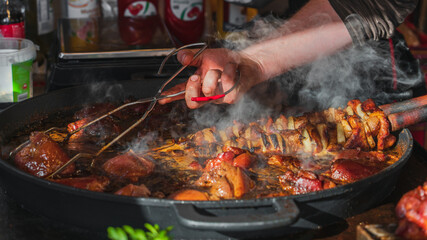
point(372, 19)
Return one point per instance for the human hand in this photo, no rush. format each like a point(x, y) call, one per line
point(217, 71)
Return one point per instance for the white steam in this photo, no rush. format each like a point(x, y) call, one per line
point(105, 91)
point(359, 72)
point(141, 144)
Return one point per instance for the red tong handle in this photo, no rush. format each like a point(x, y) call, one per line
point(204, 99)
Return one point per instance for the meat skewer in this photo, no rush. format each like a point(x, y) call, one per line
point(359, 126)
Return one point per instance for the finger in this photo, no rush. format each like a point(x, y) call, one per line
point(210, 82)
point(178, 88)
point(185, 57)
point(193, 89)
point(228, 80)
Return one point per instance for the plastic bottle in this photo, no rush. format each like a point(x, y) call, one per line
point(83, 17)
point(40, 25)
point(74, 9)
point(138, 20)
point(12, 19)
point(185, 19)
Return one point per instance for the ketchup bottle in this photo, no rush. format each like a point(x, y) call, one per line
point(185, 19)
point(138, 21)
point(12, 19)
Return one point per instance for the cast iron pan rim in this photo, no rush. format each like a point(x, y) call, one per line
point(241, 202)
point(72, 89)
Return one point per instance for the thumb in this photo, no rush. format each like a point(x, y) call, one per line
point(185, 57)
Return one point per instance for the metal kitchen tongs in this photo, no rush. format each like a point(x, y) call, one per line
point(153, 101)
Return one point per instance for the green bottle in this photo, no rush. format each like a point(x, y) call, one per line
point(40, 25)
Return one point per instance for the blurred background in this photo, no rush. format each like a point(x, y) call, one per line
point(85, 41)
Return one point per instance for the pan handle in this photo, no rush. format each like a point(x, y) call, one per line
point(285, 213)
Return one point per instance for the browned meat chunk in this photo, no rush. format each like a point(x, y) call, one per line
point(189, 195)
point(315, 138)
point(91, 183)
point(225, 180)
point(243, 160)
point(235, 150)
point(303, 182)
point(411, 211)
point(293, 141)
point(215, 163)
point(353, 104)
point(98, 133)
point(129, 166)
point(134, 191)
point(78, 136)
point(42, 156)
point(221, 189)
point(357, 138)
point(301, 122)
point(369, 106)
point(288, 162)
point(239, 182)
point(350, 171)
point(385, 140)
point(327, 184)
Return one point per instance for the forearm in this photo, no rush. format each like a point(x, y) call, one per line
point(315, 31)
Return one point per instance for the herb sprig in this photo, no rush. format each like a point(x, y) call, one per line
point(129, 233)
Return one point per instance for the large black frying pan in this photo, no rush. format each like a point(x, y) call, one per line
point(267, 217)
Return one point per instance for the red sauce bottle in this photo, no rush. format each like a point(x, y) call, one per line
point(185, 19)
point(12, 19)
point(138, 21)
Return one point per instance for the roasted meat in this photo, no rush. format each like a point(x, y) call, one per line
point(225, 177)
point(347, 171)
point(189, 195)
point(128, 166)
point(134, 191)
point(302, 182)
point(91, 183)
point(411, 211)
point(42, 156)
point(287, 162)
point(99, 132)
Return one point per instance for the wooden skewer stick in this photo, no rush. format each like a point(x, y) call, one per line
point(407, 118)
point(404, 106)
